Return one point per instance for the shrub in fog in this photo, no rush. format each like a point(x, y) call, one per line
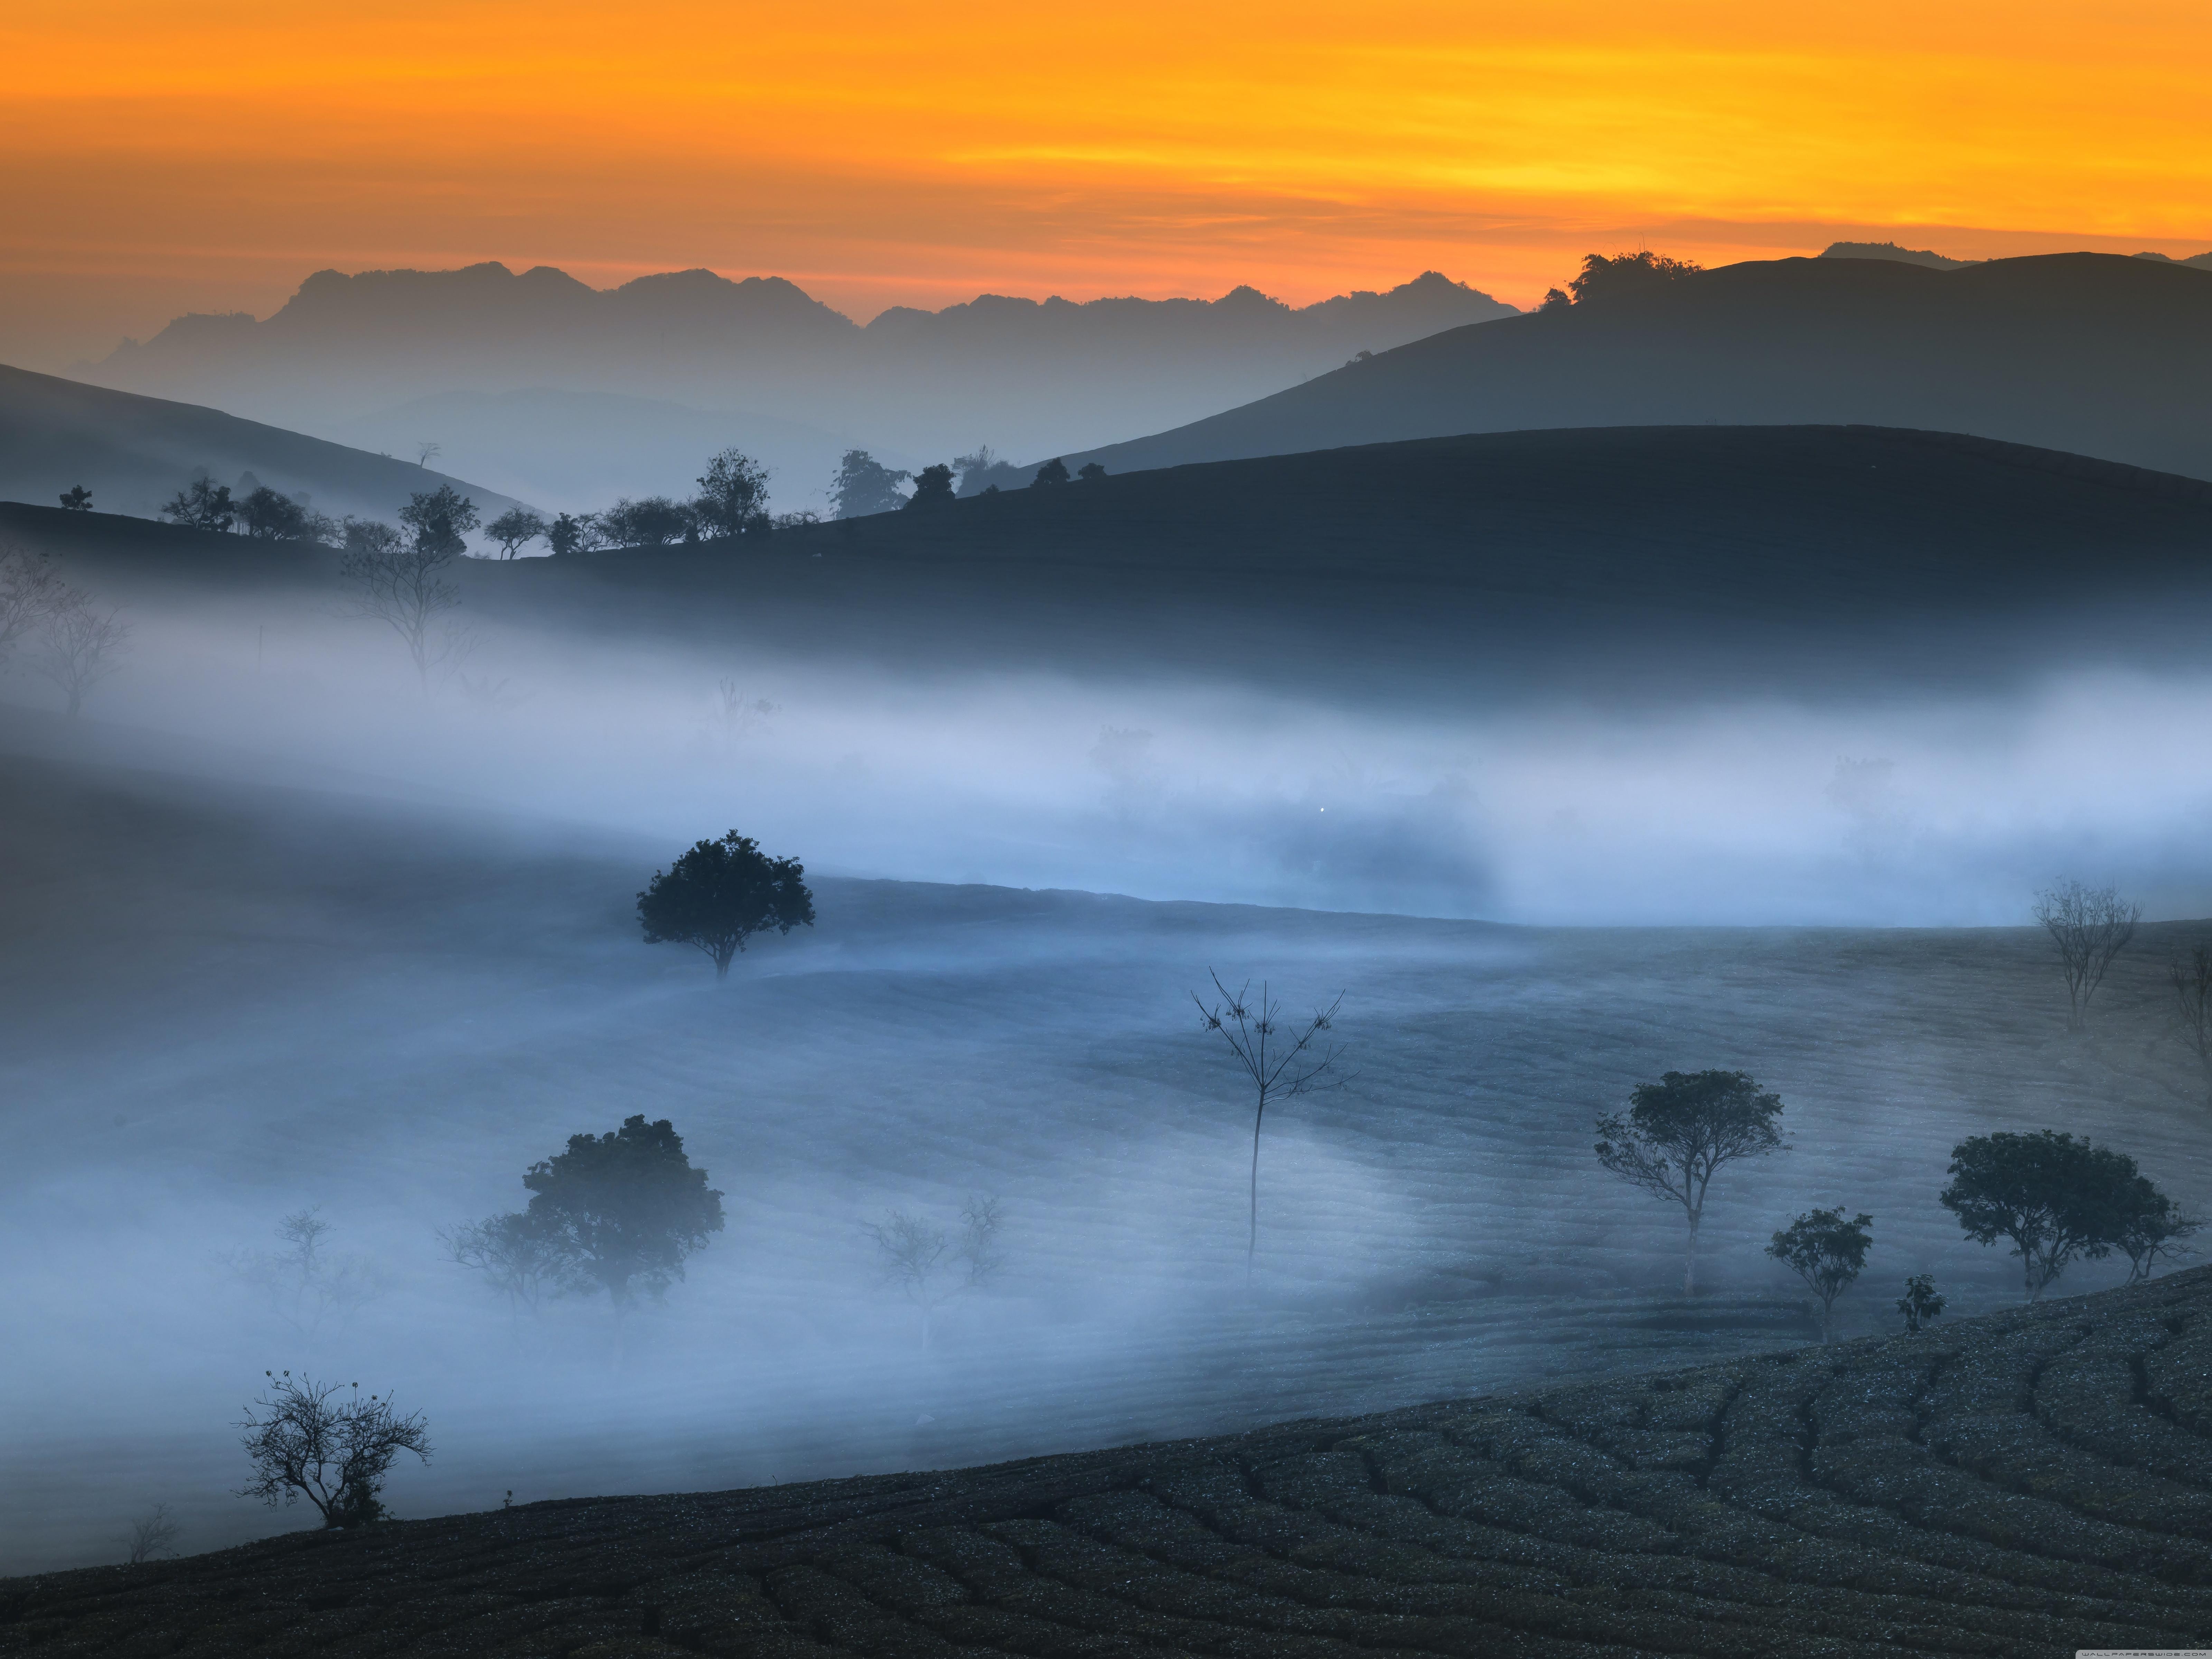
point(733, 498)
point(574, 532)
point(1920, 1305)
point(864, 485)
point(305, 1283)
point(203, 504)
point(323, 1441)
point(31, 589)
point(1277, 1062)
point(1828, 1252)
point(77, 498)
point(404, 584)
point(522, 1257)
point(2089, 926)
point(268, 516)
point(515, 528)
point(933, 487)
point(1053, 472)
point(653, 521)
point(439, 521)
point(79, 646)
point(1681, 1131)
point(719, 894)
point(621, 1211)
point(1091, 472)
point(2055, 1196)
point(929, 1266)
point(152, 1537)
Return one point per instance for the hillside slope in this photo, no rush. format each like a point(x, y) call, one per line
point(134, 453)
point(2030, 1483)
point(2092, 353)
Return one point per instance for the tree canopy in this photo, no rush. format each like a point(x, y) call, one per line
point(515, 528)
point(933, 487)
point(1680, 1131)
point(733, 499)
point(626, 1208)
point(440, 520)
point(1604, 278)
point(201, 504)
point(268, 516)
point(1828, 1252)
point(864, 485)
point(719, 894)
point(2057, 1198)
point(77, 499)
point(1053, 472)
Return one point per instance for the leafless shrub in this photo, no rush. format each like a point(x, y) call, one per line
point(403, 585)
point(738, 714)
point(79, 646)
point(305, 1284)
point(931, 1267)
point(327, 1444)
point(2090, 925)
point(30, 591)
point(152, 1535)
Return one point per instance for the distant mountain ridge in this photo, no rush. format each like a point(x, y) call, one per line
point(2098, 355)
point(1024, 375)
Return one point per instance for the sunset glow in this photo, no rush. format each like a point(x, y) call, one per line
point(885, 153)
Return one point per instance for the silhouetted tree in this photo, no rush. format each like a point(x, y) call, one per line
point(152, 1535)
point(305, 1282)
point(1828, 1252)
point(519, 1256)
point(928, 1266)
point(1627, 273)
point(2056, 1198)
point(1279, 1063)
point(1091, 472)
point(733, 499)
point(441, 520)
point(574, 533)
point(653, 521)
point(933, 487)
point(719, 894)
point(78, 499)
point(427, 452)
point(863, 486)
point(2089, 925)
point(405, 586)
point(627, 1208)
point(515, 528)
point(2192, 995)
point(203, 504)
point(1919, 1305)
point(267, 516)
point(1681, 1131)
point(326, 1443)
point(1556, 299)
point(80, 645)
point(2150, 1225)
point(1053, 472)
point(31, 589)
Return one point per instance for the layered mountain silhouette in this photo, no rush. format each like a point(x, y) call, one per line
point(1021, 375)
point(134, 453)
point(2098, 354)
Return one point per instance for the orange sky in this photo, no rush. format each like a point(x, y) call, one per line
point(155, 157)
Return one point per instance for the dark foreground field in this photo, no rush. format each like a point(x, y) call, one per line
point(2030, 1483)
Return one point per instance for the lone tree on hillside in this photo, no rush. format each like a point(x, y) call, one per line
point(624, 1209)
point(2056, 1197)
point(928, 1266)
point(864, 485)
point(1279, 1062)
point(1053, 472)
point(515, 528)
point(405, 585)
point(719, 894)
point(1604, 278)
point(203, 504)
point(933, 487)
point(77, 499)
point(1091, 472)
point(1828, 1252)
point(2090, 925)
point(1920, 1305)
point(733, 499)
point(1681, 1131)
point(326, 1443)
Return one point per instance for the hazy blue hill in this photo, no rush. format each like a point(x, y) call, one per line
point(2096, 353)
point(134, 453)
point(1019, 374)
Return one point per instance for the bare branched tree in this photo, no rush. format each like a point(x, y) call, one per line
point(930, 1267)
point(326, 1443)
point(305, 1284)
point(2192, 995)
point(30, 590)
point(520, 1258)
point(79, 646)
point(405, 585)
point(740, 714)
point(426, 451)
point(2090, 925)
point(1279, 1062)
point(152, 1535)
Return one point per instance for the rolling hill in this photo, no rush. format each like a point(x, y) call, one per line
point(2095, 354)
point(134, 453)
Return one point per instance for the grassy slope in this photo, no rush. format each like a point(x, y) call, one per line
point(2093, 353)
point(2030, 1484)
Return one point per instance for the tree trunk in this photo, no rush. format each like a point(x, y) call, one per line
point(1252, 1236)
point(1690, 1260)
point(1827, 1308)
